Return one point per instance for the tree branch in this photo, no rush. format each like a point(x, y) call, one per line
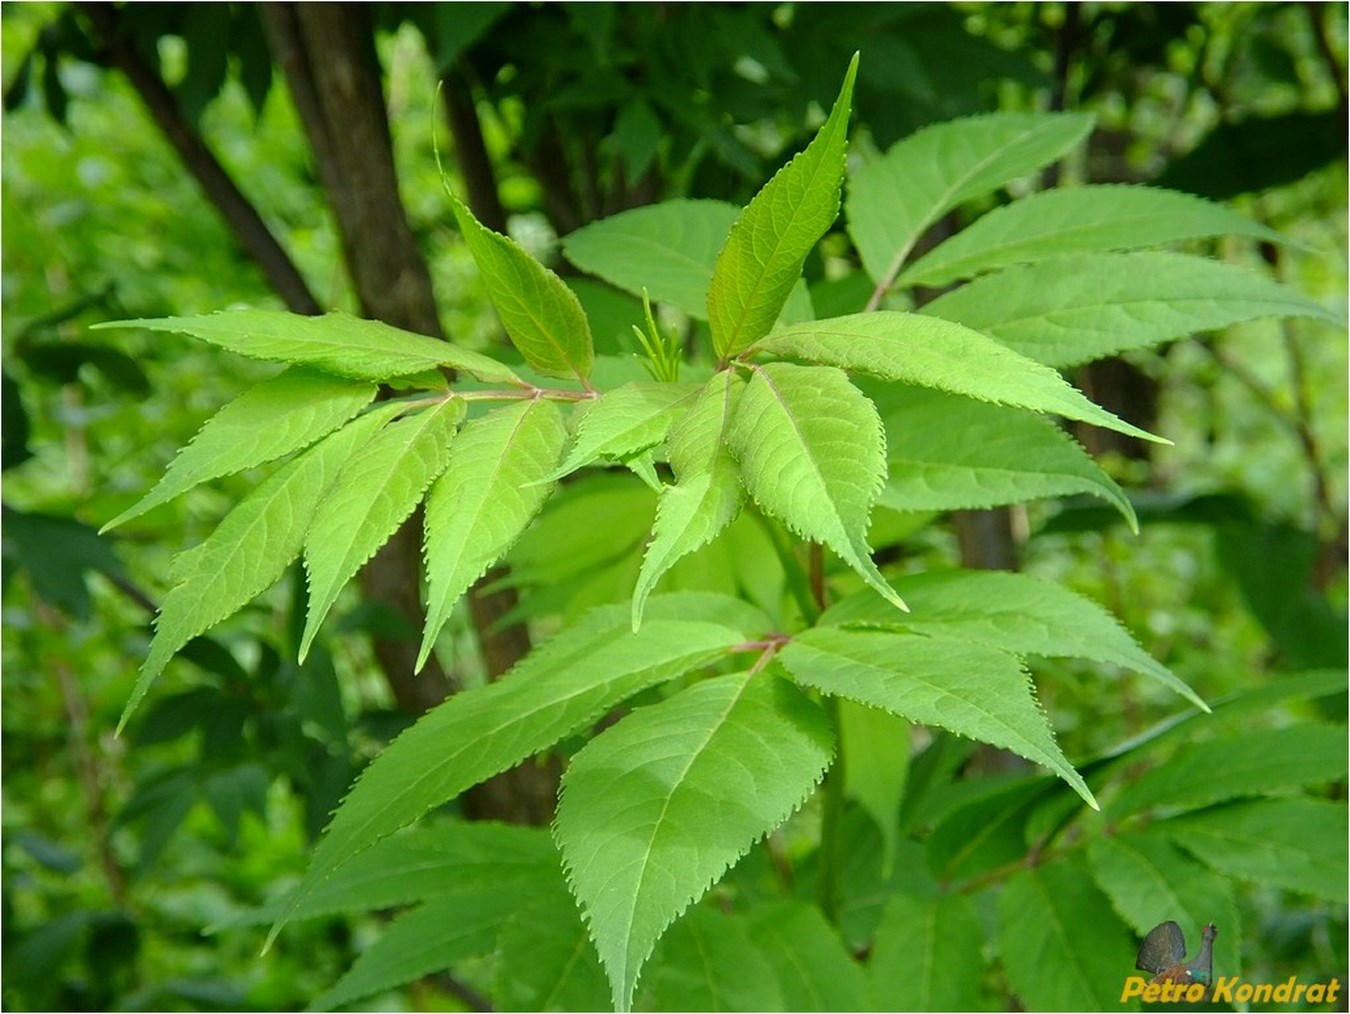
point(241, 216)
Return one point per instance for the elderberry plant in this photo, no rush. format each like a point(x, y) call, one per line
point(658, 806)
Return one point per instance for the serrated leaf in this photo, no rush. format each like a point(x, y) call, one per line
point(1254, 763)
point(278, 416)
point(1297, 843)
point(707, 493)
point(624, 421)
point(708, 962)
point(765, 251)
point(444, 930)
point(1078, 220)
point(545, 960)
point(668, 248)
point(375, 493)
point(335, 343)
point(1150, 880)
point(926, 955)
point(811, 453)
point(1062, 945)
point(427, 861)
point(1017, 613)
point(815, 971)
point(557, 689)
point(658, 807)
point(931, 352)
point(965, 687)
point(250, 548)
point(541, 315)
point(953, 453)
point(484, 500)
point(1065, 312)
point(893, 200)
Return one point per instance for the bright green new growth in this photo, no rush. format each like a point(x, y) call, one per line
point(811, 452)
point(375, 493)
point(486, 497)
point(764, 253)
point(707, 493)
point(541, 315)
point(250, 548)
point(624, 422)
point(281, 415)
point(915, 349)
point(336, 343)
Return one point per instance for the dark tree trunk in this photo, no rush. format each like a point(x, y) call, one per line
point(328, 56)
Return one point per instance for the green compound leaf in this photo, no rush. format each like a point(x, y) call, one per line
point(951, 453)
point(545, 961)
point(425, 862)
point(926, 954)
point(559, 688)
point(1149, 880)
point(250, 548)
point(893, 200)
point(1296, 843)
point(485, 498)
point(707, 494)
point(668, 248)
point(1254, 763)
point(375, 493)
point(1070, 311)
point(764, 253)
point(963, 686)
point(707, 961)
point(625, 421)
point(1017, 613)
point(1078, 220)
point(1053, 917)
point(811, 452)
point(541, 315)
point(639, 840)
point(810, 961)
point(335, 343)
point(431, 938)
point(281, 415)
point(928, 352)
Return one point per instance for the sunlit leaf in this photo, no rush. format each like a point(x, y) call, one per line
point(811, 453)
point(375, 493)
point(541, 314)
point(485, 498)
point(966, 687)
point(765, 251)
point(656, 808)
point(250, 548)
point(284, 414)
